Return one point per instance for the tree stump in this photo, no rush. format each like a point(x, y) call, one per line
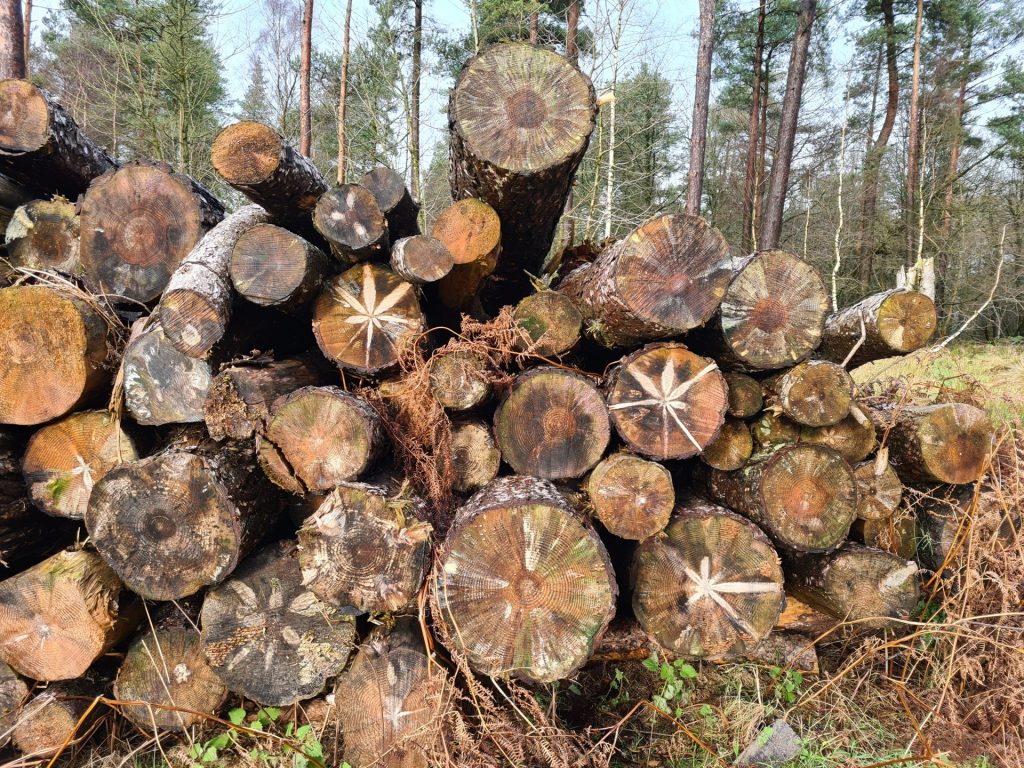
point(552, 322)
point(460, 380)
point(879, 490)
point(65, 459)
point(475, 458)
point(553, 424)
point(666, 402)
point(273, 267)
point(351, 221)
point(746, 398)
point(815, 393)
point(895, 322)
point(162, 385)
point(666, 277)
point(853, 438)
point(944, 443)
point(633, 498)
point(730, 448)
point(711, 586)
point(43, 235)
point(523, 585)
point(53, 720)
point(393, 198)
point(421, 259)
point(268, 637)
point(471, 231)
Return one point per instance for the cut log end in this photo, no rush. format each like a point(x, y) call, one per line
point(460, 380)
point(879, 490)
point(633, 498)
point(552, 322)
point(421, 259)
point(162, 385)
point(475, 458)
point(273, 267)
point(816, 393)
point(24, 117)
point(906, 321)
point(246, 153)
point(774, 428)
point(53, 720)
point(349, 217)
point(471, 231)
point(13, 693)
point(731, 448)
point(881, 325)
point(853, 438)
point(746, 397)
point(401, 211)
point(946, 443)
point(192, 321)
point(43, 235)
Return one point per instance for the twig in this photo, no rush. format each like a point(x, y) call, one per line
point(859, 344)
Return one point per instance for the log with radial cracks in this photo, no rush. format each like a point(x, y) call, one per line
point(365, 548)
point(178, 521)
point(349, 219)
point(666, 402)
point(273, 267)
point(551, 321)
point(895, 322)
point(61, 615)
point(815, 393)
point(944, 443)
point(553, 424)
point(257, 161)
point(363, 317)
point(856, 583)
point(771, 316)
point(475, 457)
point(853, 438)
point(64, 460)
point(471, 231)
point(421, 259)
point(268, 637)
point(522, 585)
point(393, 198)
point(731, 447)
point(804, 496)
point(746, 396)
point(632, 497)
point(42, 146)
point(460, 380)
point(317, 437)
point(54, 346)
point(58, 718)
point(43, 235)
point(520, 119)
point(195, 307)
point(666, 277)
point(711, 586)
point(162, 385)
point(879, 489)
point(13, 694)
point(137, 224)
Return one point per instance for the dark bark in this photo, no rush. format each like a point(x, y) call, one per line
point(701, 100)
point(12, 40)
point(394, 201)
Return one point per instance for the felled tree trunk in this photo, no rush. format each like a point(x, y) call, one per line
point(132, 242)
point(180, 520)
point(273, 267)
point(523, 585)
point(857, 583)
point(804, 496)
point(55, 348)
point(879, 489)
point(264, 612)
point(460, 380)
point(895, 322)
point(853, 438)
point(666, 277)
point(350, 219)
point(475, 457)
point(746, 397)
point(520, 119)
point(944, 443)
point(365, 548)
point(471, 231)
point(551, 321)
point(195, 307)
point(633, 498)
point(53, 720)
point(394, 201)
point(41, 146)
point(43, 235)
point(771, 316)
point(731, 447)
point(421, 259)
point(815, 393)
point(61, 615)
point(666, 402)
point(694, 594)
point(949, 517)
point(553, 424)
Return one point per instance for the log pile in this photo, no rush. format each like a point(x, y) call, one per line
point(298, 354)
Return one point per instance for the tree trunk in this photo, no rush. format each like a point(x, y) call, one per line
point(471, 231)
point(356, 519)
point(475, 458)
point(750, 177)
point(853, 437)
point(504, 101)
point(815, 393)
point(695, 594)
point(460, 380)
point(273, 267)
point(343, 94)
point(913, 140)
point(394, 201)
point(731, 447)
point(61, 615)
point(27, 36)
point(414, 123)
point(317, 437)
point(895, 322)
point(553, 424)
point(522, 585)
point(701, 100)
point(195, 308)
point(43, 235)
point(804, 496)
point(666, 402)
point(131, 242)
point(878, 488)
point(632, 497)
point(178, 521)
point(665, 278)
point(53, 720)
point(363, 318)
point(56, 348)
point(772, 315)
point(856, 583)
point(551, 321)
point(349, 219)
point(534, 27)
point(746, 398)
point(264, 612)
point(944, 443)
point(41, 146)
point(257, 161)
point(421, 259)
point(771, 225)
point(306, 55)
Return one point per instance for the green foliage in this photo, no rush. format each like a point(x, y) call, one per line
point(57, 487)
point(307, 751)
point(787, 683)
point(676, 677)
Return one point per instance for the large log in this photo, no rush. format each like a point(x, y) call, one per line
point(892, 323)
point(273, 267)
point(944, 443)
point(195, 307)
point(523, 585)
point(180, 520)
point(475, 456)
point(264, 613)
point(137, 224)
point(711, 586)
point(55, 349)
point(815, 393)
point(666, 277)
point(393, 198)
point(666, 402)
point(771, 315)
point(553, 424)
point(349, 219)
point(804, 496)
point(551, 321)
point(43, 235)
point(41, 146)
point(365, 548)
point(471, 231)
point(61, 615)
point(633, 498)
point(520, 118)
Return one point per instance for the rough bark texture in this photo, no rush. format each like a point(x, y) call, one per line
point(895, 322)
point(520, 118)
point(666, 277)
point(460, 380)
point(421, 259)
point(471, 231)
point(273, 267)
point(632, 497)
point(551, 320)
point(351, 221)
point(161, 385)
point(41, 146)
point(43, 235)
point(944, 443)
point(394, 200)
point(731, 448)
point(264, 613)
point(711, 587)
point(523, 585)
point(815, 393)
point(701, 101)
point(475, 457)
point(746, 398)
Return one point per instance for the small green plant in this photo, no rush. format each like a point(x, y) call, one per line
point(57, 486)
point(787, 683)
point(675, 691)
point(616, 694)
point(309, 753)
